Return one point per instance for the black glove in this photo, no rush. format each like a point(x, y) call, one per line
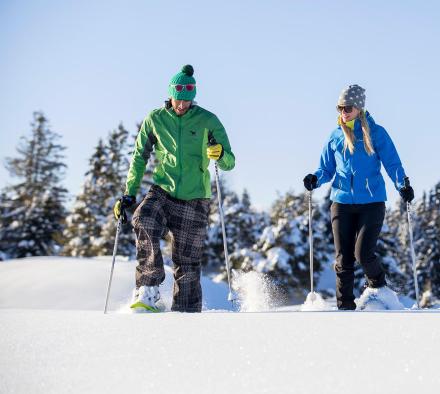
point(121, 205)
point(407, 192)
point(310, 182)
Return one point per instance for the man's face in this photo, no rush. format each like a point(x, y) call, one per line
point(180, 106)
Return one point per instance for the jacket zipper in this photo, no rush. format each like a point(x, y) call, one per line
point(180, 156)
point(368, 188)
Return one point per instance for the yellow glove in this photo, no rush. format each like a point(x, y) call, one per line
point(117, 209)
point(120, 206)
point(215, 152)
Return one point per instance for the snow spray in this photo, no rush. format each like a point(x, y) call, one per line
point(256, 291)
point(314, 302)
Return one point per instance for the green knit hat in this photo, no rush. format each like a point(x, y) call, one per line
point(184, 77)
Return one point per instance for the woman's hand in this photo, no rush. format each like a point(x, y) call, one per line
point(310, 182)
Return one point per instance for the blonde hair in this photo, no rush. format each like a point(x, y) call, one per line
point(349, 139)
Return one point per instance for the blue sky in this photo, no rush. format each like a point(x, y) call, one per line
point(270, 70)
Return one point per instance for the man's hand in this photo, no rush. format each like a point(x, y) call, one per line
point(215, 152)
point(121, 205)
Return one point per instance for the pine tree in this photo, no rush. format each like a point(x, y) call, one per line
point(396, 235)
point(34, 207)
point(323, 241)
point(245, 228)
point(434, 226)
point(5, 209)
point(84, 223)
point(213, 259)
point(91, 225)
point(116, 168)
point(282, 251)
point(428, 248)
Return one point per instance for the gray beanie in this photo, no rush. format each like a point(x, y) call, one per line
point(352, 95)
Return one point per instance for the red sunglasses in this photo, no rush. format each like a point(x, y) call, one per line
point(188, 87)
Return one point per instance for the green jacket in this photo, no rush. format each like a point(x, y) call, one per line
point(180, 144)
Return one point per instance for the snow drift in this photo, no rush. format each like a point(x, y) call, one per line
point(55, 338)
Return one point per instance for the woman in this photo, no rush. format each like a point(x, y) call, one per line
point(353, 156)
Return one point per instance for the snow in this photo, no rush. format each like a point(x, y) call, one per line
point(315, 302)
point(276, 256)
point(55, 338)
point(384, 296)
point(327, 279)
point(255, 291)
point(81, 284)
point(279, 257)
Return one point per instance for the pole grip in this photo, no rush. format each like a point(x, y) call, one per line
point(211, 139)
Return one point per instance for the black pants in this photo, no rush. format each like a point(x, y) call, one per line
point(356, 229)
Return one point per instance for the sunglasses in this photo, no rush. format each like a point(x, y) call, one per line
point(188, 87)
point(347, 109)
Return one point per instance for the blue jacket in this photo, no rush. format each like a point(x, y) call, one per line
point(357, 177)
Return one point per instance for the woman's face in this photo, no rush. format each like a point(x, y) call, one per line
point(348, 115)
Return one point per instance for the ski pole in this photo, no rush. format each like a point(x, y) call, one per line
point(115, 248)
point(311, 242)
point(413, 253)
point(231, 296)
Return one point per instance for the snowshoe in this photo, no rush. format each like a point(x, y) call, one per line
point(382, 298)
point(146, 299)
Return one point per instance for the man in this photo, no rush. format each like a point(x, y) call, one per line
point(179, 199)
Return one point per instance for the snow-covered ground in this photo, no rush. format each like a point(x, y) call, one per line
point(55, 338)
point(81, 284)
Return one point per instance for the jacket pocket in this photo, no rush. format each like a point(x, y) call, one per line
point(341, 183)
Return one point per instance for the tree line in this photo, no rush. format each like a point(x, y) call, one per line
point(35, 220)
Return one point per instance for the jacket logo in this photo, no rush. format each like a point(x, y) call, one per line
point(193, 132)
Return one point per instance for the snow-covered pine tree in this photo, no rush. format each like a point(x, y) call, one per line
point(91, 225)
point(245, 228)
point(35, 206)
point(434, 235)
point(5, 209)
point(84, 223)
point(115, 173)
point(282, 251)
point(213, 259)
point(324, 244)
point(395, 232)
point(428, 249)
point(396, 235)
point(250, 223)
point(120, 150)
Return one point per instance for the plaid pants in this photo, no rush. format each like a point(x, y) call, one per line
point(187, 221)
